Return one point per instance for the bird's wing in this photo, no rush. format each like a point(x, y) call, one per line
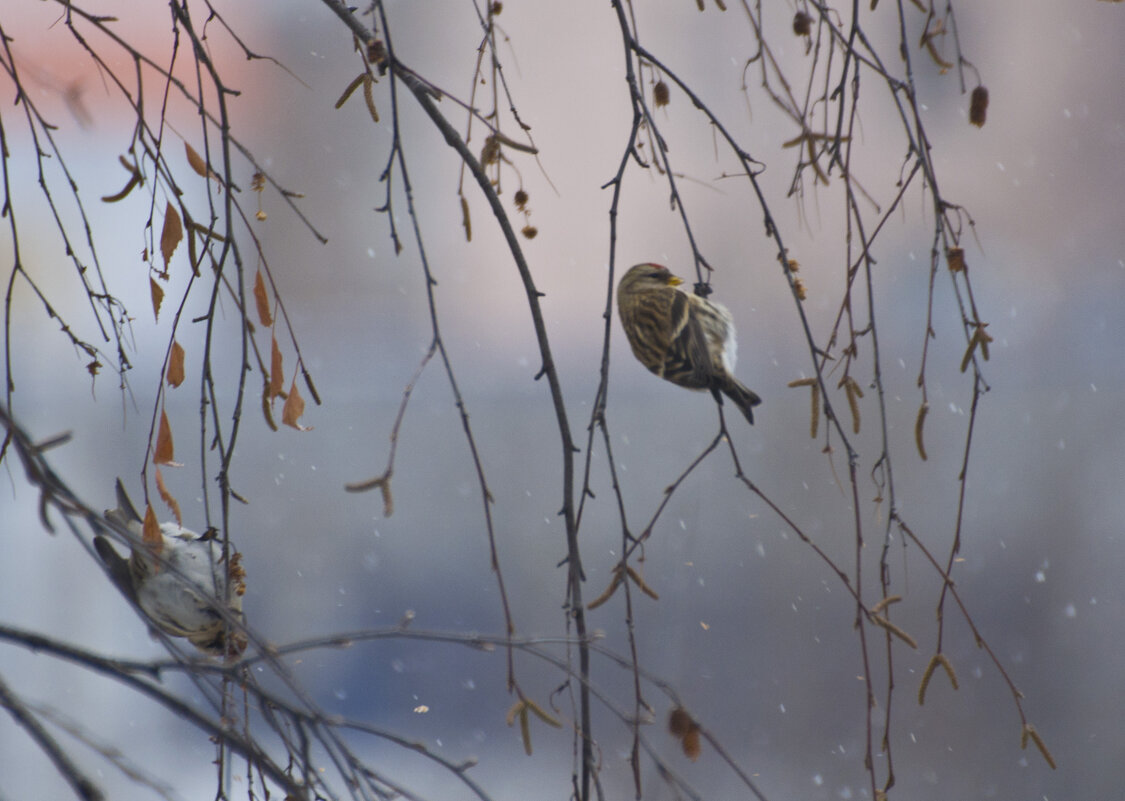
point(117, 567)
point(689, 360)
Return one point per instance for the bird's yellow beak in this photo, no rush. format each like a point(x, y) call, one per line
point(674, 280)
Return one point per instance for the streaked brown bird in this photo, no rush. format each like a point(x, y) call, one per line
point(681, 337)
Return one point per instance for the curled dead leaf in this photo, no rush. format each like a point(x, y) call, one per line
point(293, 409)
point(150, 532)
point(171, 234)
point(167, 497)
point(277, 374)
point(262, 300)
point(164, 451)
point(157, 292)
point(196, 161)
point(175, 373)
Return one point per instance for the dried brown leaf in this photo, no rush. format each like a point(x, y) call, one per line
point(277, 374)
point(175, 372)
point(164, 452)
point(293, 409)
point(262, 300)
point(157, 296)
point(150, 532)
point(167, 497)
point(171, 234)
point(196, 161)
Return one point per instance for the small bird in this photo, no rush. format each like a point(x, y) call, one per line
point(178, 579)
point(681, 337)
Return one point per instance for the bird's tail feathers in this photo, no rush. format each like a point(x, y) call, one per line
point(745, 399)
point(129, 512)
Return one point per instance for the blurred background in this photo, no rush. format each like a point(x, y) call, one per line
point(751, 628)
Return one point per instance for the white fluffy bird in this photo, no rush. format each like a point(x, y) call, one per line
point(178, 582)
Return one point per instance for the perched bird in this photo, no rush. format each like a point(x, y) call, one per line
point(681, 337)
point(178, 579)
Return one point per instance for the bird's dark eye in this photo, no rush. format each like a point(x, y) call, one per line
point(656, 274)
